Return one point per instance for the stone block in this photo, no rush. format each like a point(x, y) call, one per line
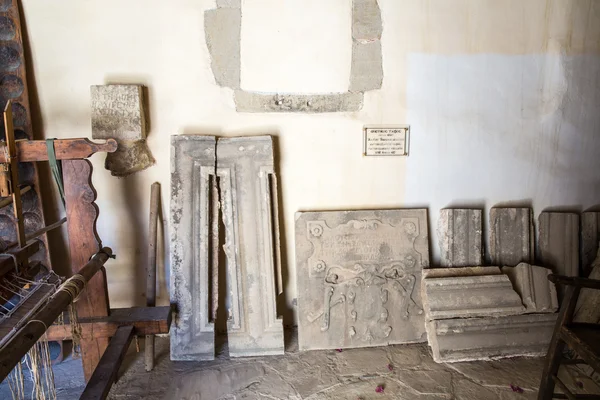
point(194, 255)
point(459, 233)
point(470, 339)
point(470, 296)
point(531, 283)
point(250, 215)
point(222, 31)
point(288, 103)
point(358, 275)
point(511, 236)
point(366, 71)
point(460, 271)
point(590, 237)
point(559, 243)
point(117, 112)
point(366, 20)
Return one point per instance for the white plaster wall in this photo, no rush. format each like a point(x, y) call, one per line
point(501, 95)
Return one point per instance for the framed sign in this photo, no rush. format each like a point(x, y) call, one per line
point(386, 140)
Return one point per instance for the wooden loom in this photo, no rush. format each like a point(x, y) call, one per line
point(101, 356)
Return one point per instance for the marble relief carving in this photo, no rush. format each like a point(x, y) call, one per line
point(358, 277)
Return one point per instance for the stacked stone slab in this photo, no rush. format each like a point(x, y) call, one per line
point(459, 232)
point(482, 313)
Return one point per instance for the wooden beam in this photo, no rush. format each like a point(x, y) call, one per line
point(21, 256)
point(65, 149)
point(105, 373)
point(20, 343)
point(145, 321)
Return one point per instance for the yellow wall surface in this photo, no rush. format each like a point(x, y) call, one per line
point(161, 44)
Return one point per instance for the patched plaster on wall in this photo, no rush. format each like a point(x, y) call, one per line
point(223, 37)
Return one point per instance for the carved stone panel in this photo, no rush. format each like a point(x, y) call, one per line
point(194, 255)
point(358, 275)
point(249, 199)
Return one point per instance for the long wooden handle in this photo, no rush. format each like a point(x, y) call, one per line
point(65, 149)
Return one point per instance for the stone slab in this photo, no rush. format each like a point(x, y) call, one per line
point(249, 202)
point(358, 275)
point(470, 339)
point(366, 20)
point(194, 221)
point(222, 30)
point(511, 236)
point(366, 71)
point(559, 243)
point(470, 296)
point(117, 112)
point(531, 283)
point(590, 237)
point(459, 233)
point(309, 103)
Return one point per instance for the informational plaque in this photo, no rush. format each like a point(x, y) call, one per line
point(386, 141)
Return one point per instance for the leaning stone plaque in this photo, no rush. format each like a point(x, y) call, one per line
point(194, 247)
point(359, 275)
point(386, 141)
point(117, 112)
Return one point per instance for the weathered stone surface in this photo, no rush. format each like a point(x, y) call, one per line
point(470, 296)
point(459, 233)
point(229, 3)
point(366, 20)
point(249, 200)
point(460, 271)
point(366, 71)
point(511, 236)
point(454, 340)
point(590, 237)
point(531, 283)
point(309, 103)
point(559, 242)
point(358, 274)
point(131, 156)
point(194, 202)
point(588, 304)
point(222, 29)
point(117, 112)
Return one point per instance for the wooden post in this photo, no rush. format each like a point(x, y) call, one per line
point(14, 173)
point(151, 267)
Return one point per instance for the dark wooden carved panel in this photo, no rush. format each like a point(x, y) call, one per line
point(13, 86)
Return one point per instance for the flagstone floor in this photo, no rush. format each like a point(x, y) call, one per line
point(393, 372)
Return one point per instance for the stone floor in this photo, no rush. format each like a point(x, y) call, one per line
point(403, 371)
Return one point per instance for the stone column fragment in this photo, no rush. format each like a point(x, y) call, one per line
point(590, 237)
point(470, 296)
point(459, 232)
point(470, 339)
point(194, 246)
point(249, 199)
point(511, 236)
point(532, 284)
